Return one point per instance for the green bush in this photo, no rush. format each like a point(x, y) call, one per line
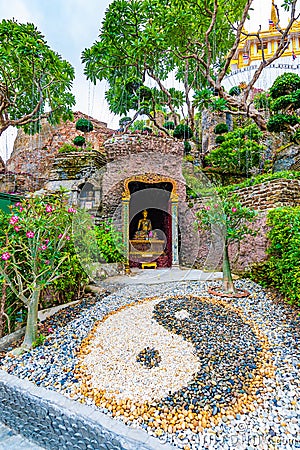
point(169, 125)
point(187, 147)
point(221, 128)
point(109, 242)
point(284, 85)
point(235, 90)
point(183, 132)
point(261, 101)
point(124, 121)
point(84, 125)
point(147, 130)
point(281, 122)
point(66, 148)
point(282, 270)
point(220, 139)
point(79, 141)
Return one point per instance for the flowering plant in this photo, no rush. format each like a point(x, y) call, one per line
point(31, 251)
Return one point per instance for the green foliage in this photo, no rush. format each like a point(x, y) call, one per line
point(220, 139)
point(282, 269)
point(262, 101)
point(109, 242)
point(67, 148)
point(32, 240)
point(39, 341)
point(239, 152)
point(79, 141)
point(229, 215)
point(183, 132)
point(187, 147)
point(35, 81)
point(138, 125)
point(235, 90)
point(221, 128)
point(281, 122)
point(284, 85)
point(218, 104)
point(169, 125)
point(147, 130)
point(124, 121)
point(191, 159)
point(84, 125)
point(154, 44)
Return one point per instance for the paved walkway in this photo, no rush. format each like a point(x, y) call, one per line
point(9, 440)
point(155, 276)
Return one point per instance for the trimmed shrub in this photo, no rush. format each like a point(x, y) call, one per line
point(281, 122)
point(169, 125)
point(220, 139)
point(187, 147)
point(84, 125)
point(221, 128)
point(183, 132)
point(79, 141)
point(124, 121)
point(235, 90)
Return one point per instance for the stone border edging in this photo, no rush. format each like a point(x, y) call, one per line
point(54, 421)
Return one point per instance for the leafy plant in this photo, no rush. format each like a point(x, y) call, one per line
point(183, 132)
point(169, 125)
point(230, 220)
point(220, 139)
point(282, 269)
point(84, 125)
point(281, 122)
point(262, 101)
point(79, 141)
point(109, 242)
point(67, 148)
point(235, 90)
point(124, 121)
point(221, 128)
point(239, 152)
point(187, 147)
point(32, 239)
point(35, 81)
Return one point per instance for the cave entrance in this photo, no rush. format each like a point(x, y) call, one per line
point(150, 221)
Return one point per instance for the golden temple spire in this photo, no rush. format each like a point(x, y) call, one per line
point(274, 17)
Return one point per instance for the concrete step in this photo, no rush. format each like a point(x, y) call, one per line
point(10, 440)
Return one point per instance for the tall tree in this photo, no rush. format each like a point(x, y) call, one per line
point(144, 43)
point(35, 82)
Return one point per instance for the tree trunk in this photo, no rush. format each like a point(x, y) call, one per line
point(228, 285)
point(32, 317)
point(2, 309)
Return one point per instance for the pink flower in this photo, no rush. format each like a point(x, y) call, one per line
point(50, 330)
point(17, 228)
point(72, 210)
point(14, 220)
point(21, 209)
point(18, 204)
point(47, 261)
point(5, 256)
point(30, 234)
point(44, 247)
point(207, 208)
point(233, 209)
point(216, 205)
point(47, 241)
point(60, 236)
point(68, 238)
point(49, 208)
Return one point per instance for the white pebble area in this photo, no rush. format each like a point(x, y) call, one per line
point(112, 360)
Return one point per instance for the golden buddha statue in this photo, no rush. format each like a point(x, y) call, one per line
point(144, 227)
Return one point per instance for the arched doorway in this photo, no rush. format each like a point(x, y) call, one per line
point(157, 195)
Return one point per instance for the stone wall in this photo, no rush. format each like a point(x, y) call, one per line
point(271, 194)
point(34, 155)
point(55, 422)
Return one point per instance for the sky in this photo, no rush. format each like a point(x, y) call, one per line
point(70, 26)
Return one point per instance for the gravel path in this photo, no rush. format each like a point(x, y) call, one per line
point(245, 391)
